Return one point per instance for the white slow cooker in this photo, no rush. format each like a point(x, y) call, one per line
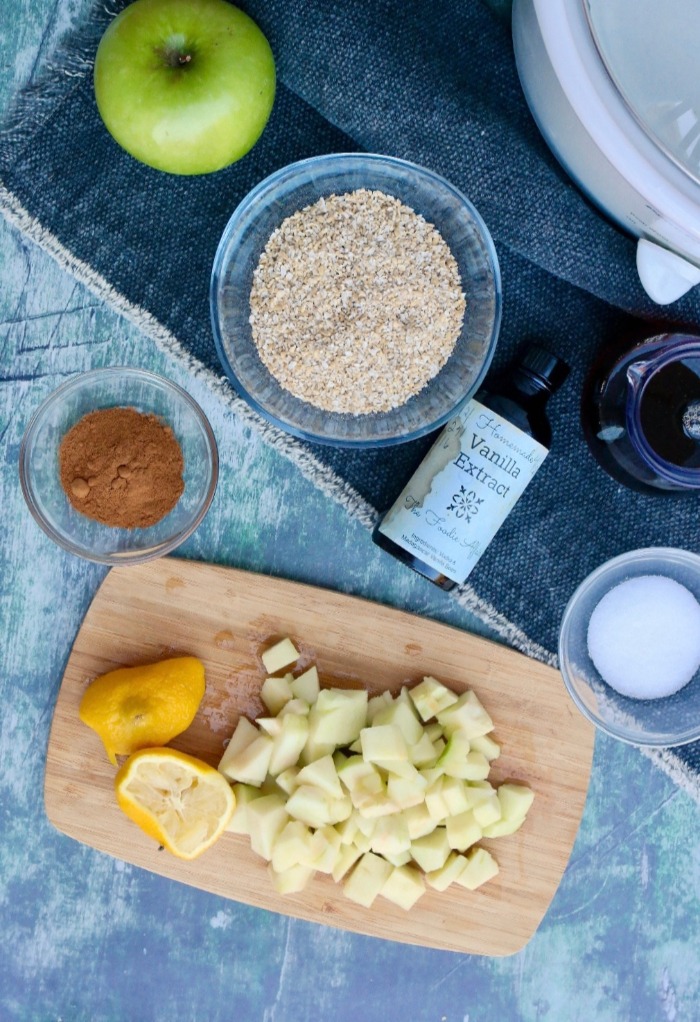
point(614, 88)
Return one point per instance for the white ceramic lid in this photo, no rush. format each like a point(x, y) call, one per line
point(650, 50)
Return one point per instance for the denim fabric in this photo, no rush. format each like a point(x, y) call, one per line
point(430, 82)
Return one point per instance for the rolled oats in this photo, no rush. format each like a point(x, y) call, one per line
point(356, 303)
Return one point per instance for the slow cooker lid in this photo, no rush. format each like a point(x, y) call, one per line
point(649, 48)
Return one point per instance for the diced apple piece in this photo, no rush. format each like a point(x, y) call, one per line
point(322, 774)
point(502, 828)
point(315, 750)
point(355, 771)
point(515, 800)
point(488, 811)
point(291, 847)
point(406, 791)
point(292, 881)
point(244, 733)
point(299, 707)
point(362, 842)
point(431, 774)
point(400, 859)
point(371, 807)
point(347, 857)
point(434, 730)
point(315, 807)
point(441, 878)
point(324, 849)
point(306, 686)
point(462, 831)
point(467, 715)
point(310, 805)
point(402, 714)
point(367, 879)
point(287, 780)
point(455, 796)
point(398, 768)
point(431, 851)
point(423, 753)
point(453, 757)
point(365, 825)
point(476, 767)
point(481, 867)
point(486, 745)
point(384, 744)
point(435, 803)
point(347, 828)
point(391, 836)
point(430, 697)
point(339, 715)
point(279, 656)
point(376, 703)
point(370, 784)
point(339, 809)
point(355, 747)
point(245, 793)
point(251, 763)
point(479, 791)
point(272, 726)
point(289, 743)
point(340, 758)
point(404, 886)
point(266, 819)
point(275, 692)
point(419, 821)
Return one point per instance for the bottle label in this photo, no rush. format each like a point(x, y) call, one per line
point(463, 491)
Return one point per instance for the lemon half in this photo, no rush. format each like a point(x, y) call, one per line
point(181, 801)
point(137, 707)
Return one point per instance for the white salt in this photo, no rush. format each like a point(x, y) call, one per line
point(644, 637)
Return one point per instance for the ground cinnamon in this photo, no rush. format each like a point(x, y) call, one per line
point(121, 467)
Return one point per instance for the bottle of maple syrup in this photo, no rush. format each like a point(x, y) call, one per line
point(472, 476)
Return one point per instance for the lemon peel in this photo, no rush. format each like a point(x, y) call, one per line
point(133, 708)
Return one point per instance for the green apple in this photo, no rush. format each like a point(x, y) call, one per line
point(185, 86)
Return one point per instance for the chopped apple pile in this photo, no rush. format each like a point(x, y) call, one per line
point(384, 794)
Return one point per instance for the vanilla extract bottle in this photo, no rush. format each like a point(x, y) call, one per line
point(472, 476)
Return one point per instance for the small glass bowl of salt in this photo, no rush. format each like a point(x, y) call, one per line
point(629, 647)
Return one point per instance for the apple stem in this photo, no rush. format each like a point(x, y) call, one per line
point(175, 53)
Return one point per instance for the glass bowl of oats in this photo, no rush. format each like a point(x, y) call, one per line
point(356, 300)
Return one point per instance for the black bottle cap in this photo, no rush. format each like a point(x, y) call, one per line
point(550, 369)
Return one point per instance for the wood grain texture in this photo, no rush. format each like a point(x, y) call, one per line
point(226, 617)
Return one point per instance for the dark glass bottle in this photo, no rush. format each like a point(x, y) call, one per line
point(476, 470)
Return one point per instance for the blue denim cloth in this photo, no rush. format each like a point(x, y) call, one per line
point(430, 82)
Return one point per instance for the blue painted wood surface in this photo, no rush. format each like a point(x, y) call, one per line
point(84, 937)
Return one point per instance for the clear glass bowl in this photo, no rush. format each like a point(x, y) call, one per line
point(299, 185)
point(665, 722)
point(110, 388)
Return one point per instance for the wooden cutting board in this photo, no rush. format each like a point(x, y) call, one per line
point(224, 616)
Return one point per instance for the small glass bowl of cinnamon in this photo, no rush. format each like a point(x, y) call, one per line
point(118, 465)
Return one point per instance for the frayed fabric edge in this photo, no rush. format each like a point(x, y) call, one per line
point(74, 58)
point(323, 478)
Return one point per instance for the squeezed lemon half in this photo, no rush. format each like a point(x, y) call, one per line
point(137, 707)
point(181, 801)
